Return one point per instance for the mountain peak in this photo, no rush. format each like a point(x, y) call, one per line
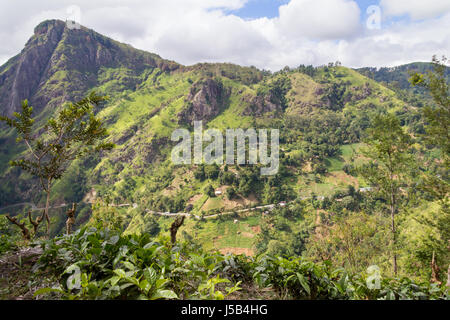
point(44, 26)
point(59, 64)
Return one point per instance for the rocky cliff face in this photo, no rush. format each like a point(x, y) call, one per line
point(261, 105)
point(60, 64)
point(204, 101)
point(21, 77)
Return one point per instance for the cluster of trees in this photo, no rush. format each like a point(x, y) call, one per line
point(285, 230)
point(74, 132)
point(276, 191)
point(308, 70)
point(167, 203)
point(383, 226)
point(246, 180)
point(349, 228)
point(276, 89)
point(320, 134)
point(204, 172)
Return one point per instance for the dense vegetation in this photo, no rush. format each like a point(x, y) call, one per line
point(362, 183)
point(103, 264)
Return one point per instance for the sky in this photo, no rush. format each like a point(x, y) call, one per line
point(268, 34)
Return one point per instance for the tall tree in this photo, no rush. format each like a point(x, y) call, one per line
point(388, 149)
point(438, 115)
point(437, 127)
point(437, 118)
point(74, 132)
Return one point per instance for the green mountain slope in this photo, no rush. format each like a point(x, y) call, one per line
point(399, 76)
point(321, 113)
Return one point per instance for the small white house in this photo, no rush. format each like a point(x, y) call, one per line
point(218, 192)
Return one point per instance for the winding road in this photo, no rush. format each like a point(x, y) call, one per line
point(32, 205)
point(269, 207)
point(166, 214)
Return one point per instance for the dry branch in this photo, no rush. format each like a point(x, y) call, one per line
point(25, 232)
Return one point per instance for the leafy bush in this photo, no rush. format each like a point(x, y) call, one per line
point(209, 191)
point(231, 193)
point(301, 279)
point(102, 264)
point(8, 236)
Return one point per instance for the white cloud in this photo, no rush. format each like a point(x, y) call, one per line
point(416, 9)
point(324, 19)
point(399, 45)
point(191, 31)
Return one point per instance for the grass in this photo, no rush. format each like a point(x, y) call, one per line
point(160, 98)
point(302, 91)
point(348, 152)
point(212, 203)
point(336, 179)
point(232, 117)
point(215, 234)
point(334, 164)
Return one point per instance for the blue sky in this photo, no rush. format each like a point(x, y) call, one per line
point(268, 34)
point(269, 8)
point(254, 9)
point(259, 9)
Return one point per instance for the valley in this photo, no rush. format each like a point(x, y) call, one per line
point(324, 203)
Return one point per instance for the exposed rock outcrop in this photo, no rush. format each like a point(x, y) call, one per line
point(261, 105)
point(204, 102)
point(23, 73)
point(60, 64)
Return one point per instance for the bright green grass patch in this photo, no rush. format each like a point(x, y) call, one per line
point(334, 164)
point(214, 234)
point(213, 203)
point(348, 154)
point(160, 99)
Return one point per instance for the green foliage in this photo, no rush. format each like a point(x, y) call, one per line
point(231, 193)
point(437, 126)
point(438, 117)
point(391, 161)
point(103, 264)
point(389, 149)
point(285, 230)
point(227, 178)
point(209, 191)
point(72, 133)
point(75, 131)
point(353, 240)
point(104, 216)
point(333, 96)
point(8, 236)
point(302, 279)
point(306, 133)
point(276, 90)
point(397, 77)
point(323, 113)
point(308, 70)
point(436, 180)
point(212, 171)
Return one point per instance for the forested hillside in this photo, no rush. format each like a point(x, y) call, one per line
point(363, 177)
